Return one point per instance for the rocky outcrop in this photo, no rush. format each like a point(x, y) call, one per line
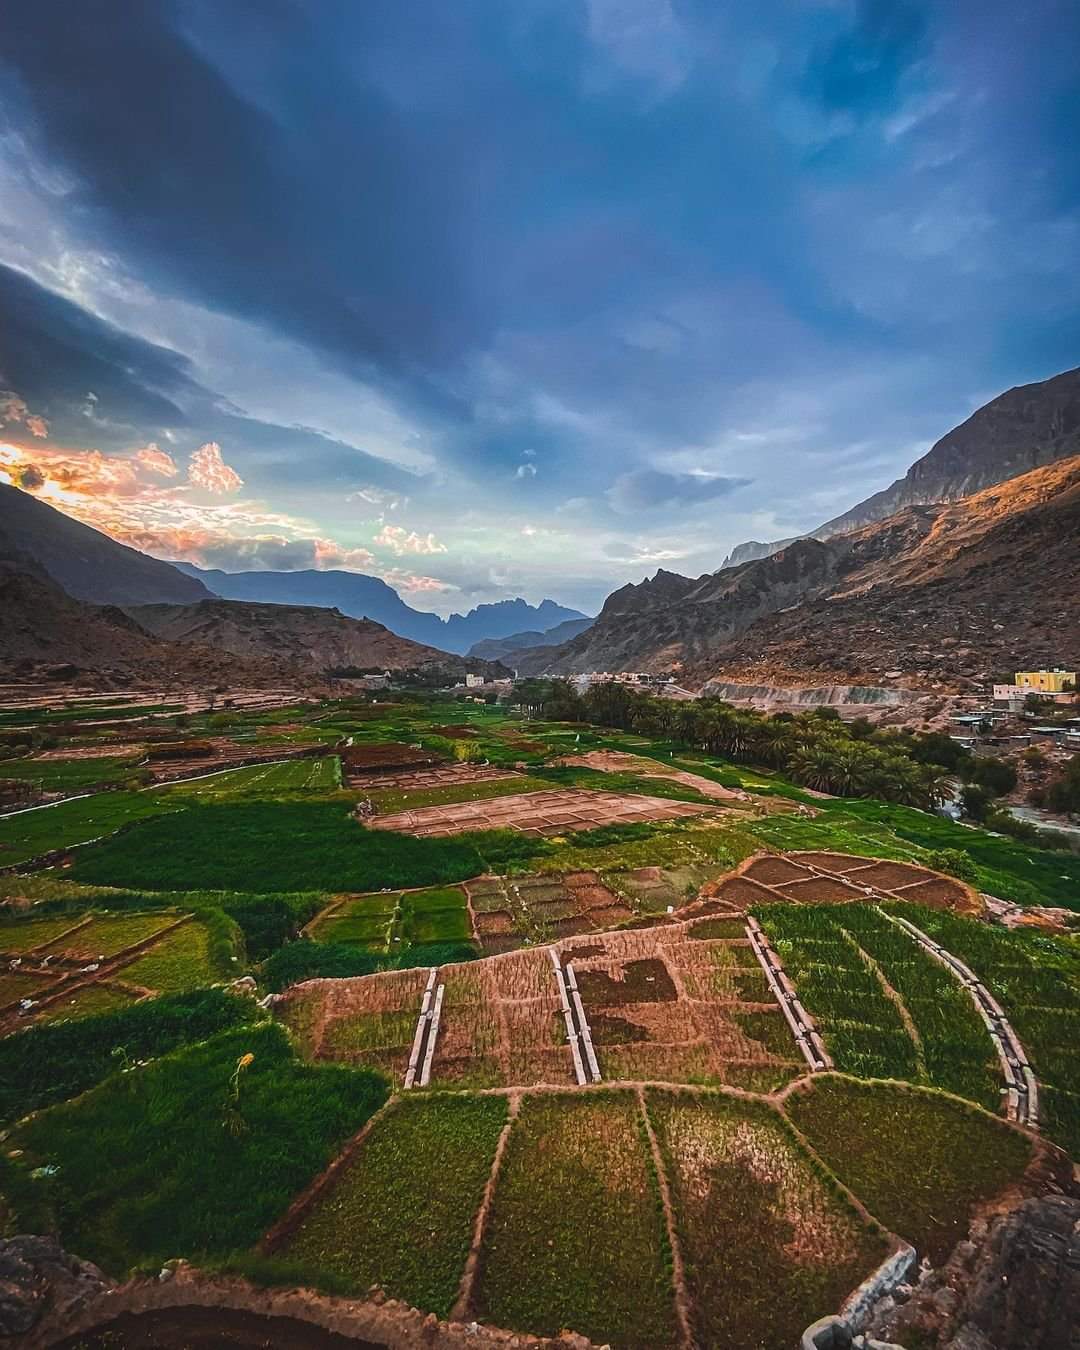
point(38, 1279)
point(1015, 1285)
point(947, 596)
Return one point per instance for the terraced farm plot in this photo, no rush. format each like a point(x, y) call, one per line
point(884, 1008)
point(922, 1163)
point(107, 935)
point(401, 1213)
point(180, 961)
point(575, 1236)
point(48, 829)
point(431, 779)
point(16, 985)
point(89, 1000)
point(367, 1021)
point(538, 813)
point(364, 921)
point(437, 915)
point(667, 1005)
point(1036, 979)
point(301, 776)
point(510, 912)
point(23, 935)
point(69, 775)
point(767, 1242)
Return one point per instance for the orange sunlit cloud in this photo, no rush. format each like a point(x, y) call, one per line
point(209, 471)
point(125, 498)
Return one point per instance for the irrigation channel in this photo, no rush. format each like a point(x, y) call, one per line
point(418, 1073)
point(802, 1025)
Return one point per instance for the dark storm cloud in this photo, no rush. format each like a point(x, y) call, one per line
point(98, 385)
point(860, 69)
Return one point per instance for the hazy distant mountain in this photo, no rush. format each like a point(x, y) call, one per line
point(1019, 430)
point(499, 649)
point(361, 597)
point(86, 563)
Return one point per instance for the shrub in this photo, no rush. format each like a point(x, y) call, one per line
point(955, 863)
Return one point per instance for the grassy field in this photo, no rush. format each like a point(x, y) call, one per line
point(576, 1235)
point(91, 1000)
point(921, 1163)
point(754, 1218)
point(188, 1156)
point(402, 1214)
point(69, 775)
point(46, 829)
point(301, 777)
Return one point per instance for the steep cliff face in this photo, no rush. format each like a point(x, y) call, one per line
point(1022, 429)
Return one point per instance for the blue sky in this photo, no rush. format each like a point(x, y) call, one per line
point(527, 298)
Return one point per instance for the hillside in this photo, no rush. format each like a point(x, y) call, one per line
point(363, 597)
point(498, 649)
point(1031, 425)
point(948, 592)
point(298, 637)
point(86, 563)
point(48, 634)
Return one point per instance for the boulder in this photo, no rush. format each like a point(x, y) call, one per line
point(38, 1276)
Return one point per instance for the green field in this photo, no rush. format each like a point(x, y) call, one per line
point(402, 1214)
point(921, 1162)
point(576, 1234)
point(69, 775)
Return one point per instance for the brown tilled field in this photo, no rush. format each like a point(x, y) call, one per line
point(423, 780)
point(559, 811)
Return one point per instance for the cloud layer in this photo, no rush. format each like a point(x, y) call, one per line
point(566, 287)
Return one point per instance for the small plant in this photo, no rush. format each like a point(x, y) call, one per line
point(955, 863)
point(232, 1117)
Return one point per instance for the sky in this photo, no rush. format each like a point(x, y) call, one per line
point(531, 298)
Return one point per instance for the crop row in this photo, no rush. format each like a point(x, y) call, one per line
point(1036, 979)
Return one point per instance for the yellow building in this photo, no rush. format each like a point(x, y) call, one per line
point(1047, 681)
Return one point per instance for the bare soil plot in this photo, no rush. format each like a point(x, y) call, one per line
point(538, 813)
point(379, 757)
point(767, 1241)
point(820, 890)
point(885, 876)
point(774, 871)
point(575, 1236)
point(423, 780)
point(618, 761)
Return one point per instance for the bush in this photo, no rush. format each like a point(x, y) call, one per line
point(955, 863)
point(993, 775)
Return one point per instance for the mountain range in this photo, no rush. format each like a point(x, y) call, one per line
point(965, 568)
point(361, 596)
point(1021, 429)
point(502, 649)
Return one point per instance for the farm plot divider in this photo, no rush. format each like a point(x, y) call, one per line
point(1022, 1089)
point(802, 1024)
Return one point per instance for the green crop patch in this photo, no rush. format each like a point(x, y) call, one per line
point(576, 1236)
point(439, 915)
point(299, 777)
point(43, 1064)
point(89, 1000)
point(754, 1218)
point(288, 846)
point(1036, 979)
point(921, 1162)
point(193, 1155)
point(402, 1214)
point(48, 829)
point(24, 935)
point(182, 960)
point(108, 935)
point(69, 775)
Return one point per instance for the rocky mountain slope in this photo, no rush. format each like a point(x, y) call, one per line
point(46, 634)
point(946, 592)
point(86, 563)
point(364, 597)
point(1019, 430)
point(500, 649)
point(296, 637)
